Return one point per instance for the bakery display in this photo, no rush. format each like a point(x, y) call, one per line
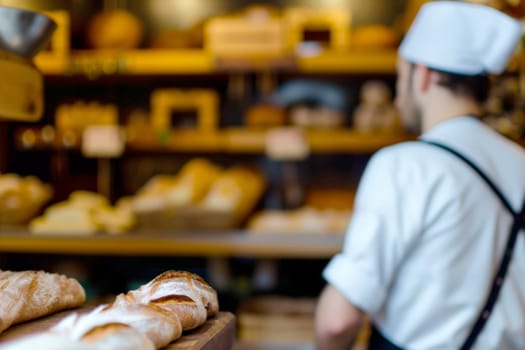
point(21, 198)
point(84, 213)
point(202, 195)
point(186, 188)
point(27, 295)
point(149, 317)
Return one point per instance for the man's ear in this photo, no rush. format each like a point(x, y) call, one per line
point(425, 77)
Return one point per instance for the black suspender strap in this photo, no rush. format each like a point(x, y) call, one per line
point(517, 224)
point(378, 341)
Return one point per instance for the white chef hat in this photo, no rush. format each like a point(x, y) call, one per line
point(461, 38)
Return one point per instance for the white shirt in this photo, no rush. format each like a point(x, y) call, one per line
point(427, 235)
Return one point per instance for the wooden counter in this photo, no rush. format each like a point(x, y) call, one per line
point(188, 244)
point(217, 333)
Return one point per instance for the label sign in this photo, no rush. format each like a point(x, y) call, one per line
point(286, 144)
point(103, 141)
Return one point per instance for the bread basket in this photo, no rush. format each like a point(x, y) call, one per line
point(21, 199)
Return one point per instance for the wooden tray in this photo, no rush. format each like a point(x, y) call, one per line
point(217, 333)
point(192, 218)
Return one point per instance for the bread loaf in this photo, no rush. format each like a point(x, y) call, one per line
point(194, 181)
point(117, 336)
point(237, 190)
point(182, 293)
point(105, 330)
point(149, 317)
point(158, 325)
point(27, 295)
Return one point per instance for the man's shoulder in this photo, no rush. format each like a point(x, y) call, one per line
point(403, 152)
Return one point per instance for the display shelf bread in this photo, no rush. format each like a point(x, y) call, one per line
point(300, 221)
point(84, 213)
point(21, 198)
point(202, 196)
point(149, 317)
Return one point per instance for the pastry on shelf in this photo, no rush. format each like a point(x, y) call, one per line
point(84, 213)
point(376, 111)
point(305, 220)
point(189, 38)
point(193, 182)
point(186, 188)
point(116, 29)
point(202, 196)
point(236, 191)
point(79, 115)
point(21, 198)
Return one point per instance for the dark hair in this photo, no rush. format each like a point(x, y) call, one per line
point(475, 86)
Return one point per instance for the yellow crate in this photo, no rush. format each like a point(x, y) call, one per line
point(300, 19)
point(59, 44)
point(204, 102)
point(238, 36)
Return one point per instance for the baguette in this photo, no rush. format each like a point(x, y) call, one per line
point(183, 293)
point(27, 295)
point(153, 322)
point(117, 336)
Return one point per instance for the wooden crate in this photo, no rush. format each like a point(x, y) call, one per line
point(238, 36)
point(277, 319)
point(193, 218)
point(204, 102)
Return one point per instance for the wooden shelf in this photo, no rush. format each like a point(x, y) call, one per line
point(380, 62)
point(94, 63)
point(190, 244)
point(229, 140)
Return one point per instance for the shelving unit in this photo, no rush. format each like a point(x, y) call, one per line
point(149, 62)
point(234, 141)
point(189, 244)
point(84, 71)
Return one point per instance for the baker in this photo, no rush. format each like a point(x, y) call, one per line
point(427, 253)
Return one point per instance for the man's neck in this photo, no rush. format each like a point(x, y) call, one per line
point(446, 106)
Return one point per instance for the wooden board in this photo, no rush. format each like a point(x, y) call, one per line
point(218, 333)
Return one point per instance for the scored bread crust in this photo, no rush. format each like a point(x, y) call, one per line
point(183, 293)
point(26, 295)
point(208, 294)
